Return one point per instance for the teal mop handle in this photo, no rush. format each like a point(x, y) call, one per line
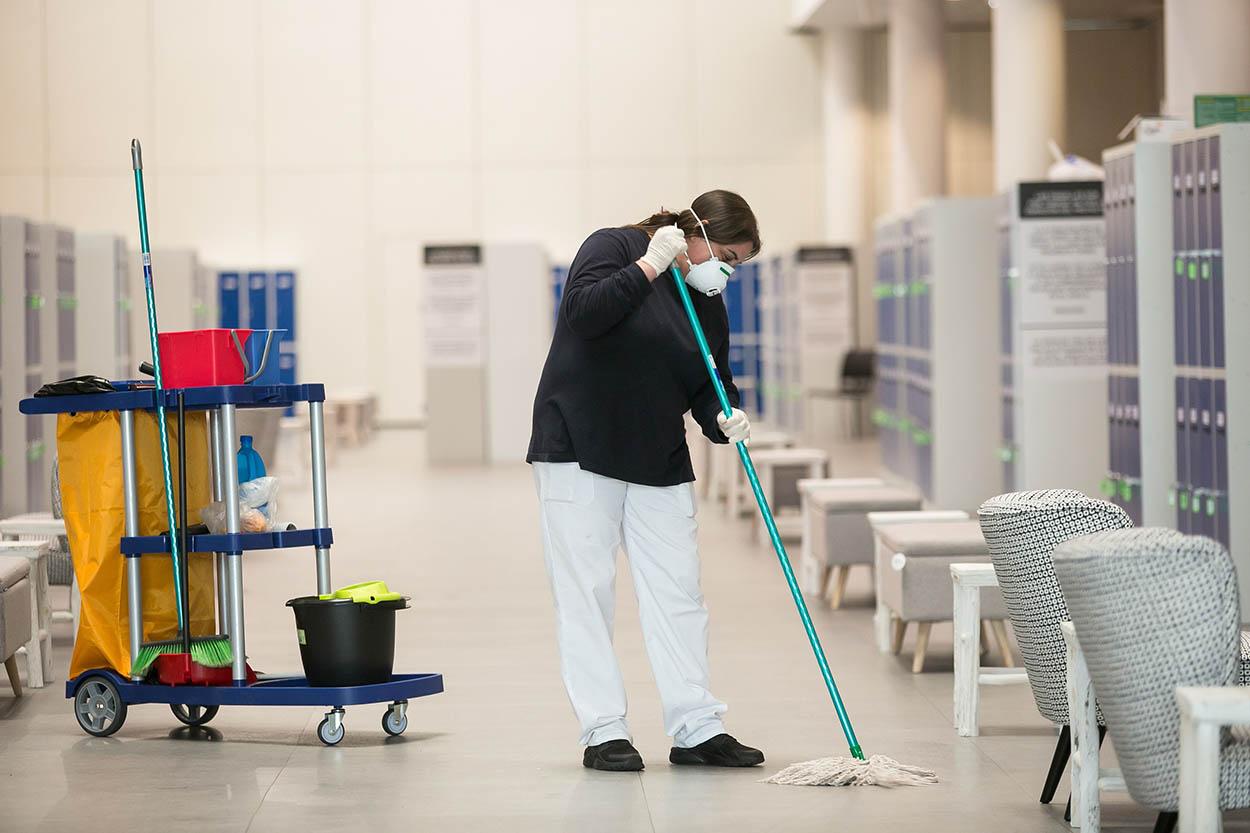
point(745, 456)
point(136, 158)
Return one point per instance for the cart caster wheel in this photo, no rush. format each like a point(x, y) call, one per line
point(193, 715)
point(395, 721)
point(99, 707)
point(330, 730)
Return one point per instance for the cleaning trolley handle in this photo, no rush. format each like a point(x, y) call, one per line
point(745, 456)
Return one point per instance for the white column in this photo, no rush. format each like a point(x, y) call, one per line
point(845, 130)
point(1029, 102)
point(1204, 44)
point(917, 70)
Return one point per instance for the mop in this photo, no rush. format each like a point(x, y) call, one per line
point(211, 651)
point(856, 771)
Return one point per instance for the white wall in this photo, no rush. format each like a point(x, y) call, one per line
point(338, 134)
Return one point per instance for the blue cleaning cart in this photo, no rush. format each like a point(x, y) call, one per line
point(101, 696)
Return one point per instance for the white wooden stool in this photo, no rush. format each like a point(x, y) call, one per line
point(1088, 776)
point(732, 479)
point(770, 464)
point(968, 579)
point(1204, 712)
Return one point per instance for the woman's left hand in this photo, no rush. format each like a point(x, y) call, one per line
point(736, 427)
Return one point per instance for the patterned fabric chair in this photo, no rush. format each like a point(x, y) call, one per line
point(1022, 530)
point(1154, 610)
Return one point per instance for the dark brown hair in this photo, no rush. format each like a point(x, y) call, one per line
point(726, 216)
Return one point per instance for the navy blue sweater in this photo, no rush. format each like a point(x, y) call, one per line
point(624, 368)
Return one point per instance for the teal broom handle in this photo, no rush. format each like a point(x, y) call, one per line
point(136, 158)
point(778, 547)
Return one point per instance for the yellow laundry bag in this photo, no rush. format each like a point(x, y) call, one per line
point(89, 450)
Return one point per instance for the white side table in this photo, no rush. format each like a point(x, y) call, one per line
point(1088, 778)
point(968, 579)
point(39, 648)
point(1204, 711)
point(41, 526)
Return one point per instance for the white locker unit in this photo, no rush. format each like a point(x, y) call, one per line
point(822, 282)
point(1210, 340)
point(1054, 336)
point(175, 278)
point(774, 385)
point(892, 243)
point(487, 312)
point(23, 314)
point(951, 409)
point(58, 295)
point(106, 307)
point(1138, 208)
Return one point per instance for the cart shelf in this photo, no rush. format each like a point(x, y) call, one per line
point(268, 691)
point(240, 542)
point(136, 396)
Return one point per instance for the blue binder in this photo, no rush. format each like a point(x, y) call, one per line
point(284, 316)
point(258, 300)
point(228, 300)
point(1221, 462)
point(1217, 254)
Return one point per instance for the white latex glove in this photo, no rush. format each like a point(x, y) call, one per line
point(666, 244)
point(736, 426)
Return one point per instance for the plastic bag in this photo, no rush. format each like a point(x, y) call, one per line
point(258, 508)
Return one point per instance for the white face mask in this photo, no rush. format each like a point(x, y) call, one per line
point(712, 275)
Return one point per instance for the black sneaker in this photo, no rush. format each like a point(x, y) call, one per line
point(721, 750)
point(613, 756)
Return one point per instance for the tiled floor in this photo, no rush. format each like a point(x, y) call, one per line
point(498, 750)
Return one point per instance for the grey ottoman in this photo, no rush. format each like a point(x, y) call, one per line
point(914, 579)
point(841, 535)
point(14, 613)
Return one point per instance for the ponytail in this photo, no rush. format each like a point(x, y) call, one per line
point(727, 219)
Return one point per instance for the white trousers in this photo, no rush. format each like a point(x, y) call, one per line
point(586, 518)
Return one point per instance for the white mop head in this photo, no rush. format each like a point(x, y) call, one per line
point(878, 771)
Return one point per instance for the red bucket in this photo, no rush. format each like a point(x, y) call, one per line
point(201, 358)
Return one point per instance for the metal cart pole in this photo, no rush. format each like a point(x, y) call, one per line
point(321, 514)
point(234, 560)
point(130, 495)
point(219, 559)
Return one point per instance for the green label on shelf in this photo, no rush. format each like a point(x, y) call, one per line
point(1180, 266)
point(1214, 109)
point(1206, 270)
point(1126, 491)
point(1210, 507)
point(34, 301)
point(1108, 486)
point(1171, 497)
point(1006, 454)
point(1184, 501)
point(1193, 271)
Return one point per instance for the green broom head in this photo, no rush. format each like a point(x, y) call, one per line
point(208, 651)
point(212, 651)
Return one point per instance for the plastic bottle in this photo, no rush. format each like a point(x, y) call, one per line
point(251, 466)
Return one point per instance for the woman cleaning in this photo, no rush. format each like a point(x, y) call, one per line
point(613, 470)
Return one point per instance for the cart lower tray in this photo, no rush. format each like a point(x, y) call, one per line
point(268, 691)
point(101, 699)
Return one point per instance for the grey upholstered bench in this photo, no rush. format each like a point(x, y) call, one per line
point(14, 613)
point(840, 534)
point(914, 579)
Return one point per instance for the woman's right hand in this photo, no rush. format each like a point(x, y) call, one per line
point(666, 244)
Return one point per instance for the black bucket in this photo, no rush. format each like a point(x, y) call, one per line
point(342, 642)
